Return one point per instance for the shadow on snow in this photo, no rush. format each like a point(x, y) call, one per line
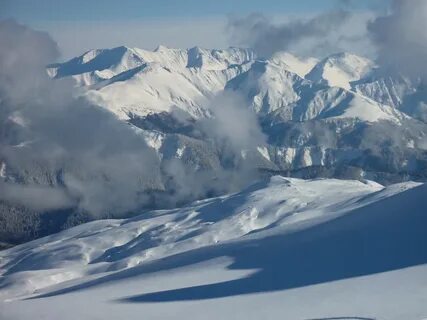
point(386, 235)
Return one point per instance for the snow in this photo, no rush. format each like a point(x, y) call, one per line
point(300, 66)
point(130, 80)
point(387, 90)
point(156, 88)
point(345, 248)
point(153, 139)
point(393, 295)
point(339, 70)
point(287, 154)
point(111, 62)
point(2, 170)
point(264, 152)
point(364, 109)
point(141, 82)
point(268, 86)
point(272, 88)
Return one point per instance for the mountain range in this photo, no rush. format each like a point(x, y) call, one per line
point(338, 117)
point(346, 97)
point(210, 183)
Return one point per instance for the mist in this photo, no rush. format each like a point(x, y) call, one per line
point(93, 161)
point(60, 151)
point(232, 133)
point(233, 122)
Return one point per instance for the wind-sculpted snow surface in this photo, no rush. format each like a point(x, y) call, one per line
point(279, 244)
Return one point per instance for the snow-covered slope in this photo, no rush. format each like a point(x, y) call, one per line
point(300, 66)
point(139, 82)
point(275, 246)
point(131, 81)
point(387, 90)
point(307, 123)
point(154, 88)
point(339, 70)
point(270, 87)
point(107, 63)
point(402, 93)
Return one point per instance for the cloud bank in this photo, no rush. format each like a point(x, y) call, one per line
point(265, 37)
point(94, 161)
point(401, 39)
point(59, 148)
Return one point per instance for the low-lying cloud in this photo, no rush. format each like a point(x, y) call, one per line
point(258, 32)
point(60, 151)
point(97, 162)
point(36, 197)
point(233, 123)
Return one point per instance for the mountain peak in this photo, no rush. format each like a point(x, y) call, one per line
point(161, 47)
point(300, 66)
point(340, 69)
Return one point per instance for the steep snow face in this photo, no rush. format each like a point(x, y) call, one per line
point(362, 76)
point(283, 239)
point(218, 59)
point(268, 86)
point(402, 93)
point(334, 103)
point(100, 64)
point(338, 103)
point(271, 88)
point(139, 82)
point(300, 66)
point(154, 88)
point(131, 81)
point(386, 90)
point(339, 70)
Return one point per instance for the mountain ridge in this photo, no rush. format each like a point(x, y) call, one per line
point(189, 107)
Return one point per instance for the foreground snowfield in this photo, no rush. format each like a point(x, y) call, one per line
point(285, 248)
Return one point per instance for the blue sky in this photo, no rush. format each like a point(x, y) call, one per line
point(80, 25)
point(85, 10)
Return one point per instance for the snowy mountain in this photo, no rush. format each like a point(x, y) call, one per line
point(340, 70)
point(209, 183)
point(216, 184)
point(270, 87)
point(339, 117)
point(300, 66)
point(140, 82)
point(398, 91)
point(120, 59)
point(134, 81)
point(267, 251)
